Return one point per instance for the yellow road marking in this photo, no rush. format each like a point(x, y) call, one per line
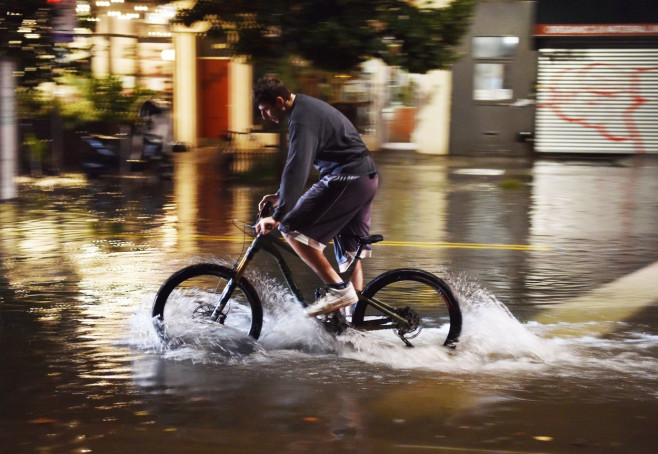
point(444, 244)
point(415, 244)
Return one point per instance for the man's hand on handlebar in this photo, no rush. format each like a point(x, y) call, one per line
point(266, 222)
point(272, 200)
point(266, 225)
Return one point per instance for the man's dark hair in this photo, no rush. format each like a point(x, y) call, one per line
point(268, 89)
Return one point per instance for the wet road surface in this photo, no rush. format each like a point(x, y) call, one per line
point(554, 263)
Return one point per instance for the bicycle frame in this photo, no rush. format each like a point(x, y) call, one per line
point(273, 245)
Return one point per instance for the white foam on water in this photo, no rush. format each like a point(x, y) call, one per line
point(492, 341)
point(190, 339)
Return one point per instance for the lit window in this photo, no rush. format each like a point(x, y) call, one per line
point(495, 46)
point(490, 83)
point(490, 78)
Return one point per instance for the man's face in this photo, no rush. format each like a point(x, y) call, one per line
point(272, 111)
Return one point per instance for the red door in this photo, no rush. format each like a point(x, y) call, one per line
point(213, 97)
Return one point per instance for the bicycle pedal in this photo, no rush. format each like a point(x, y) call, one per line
point(334, 322)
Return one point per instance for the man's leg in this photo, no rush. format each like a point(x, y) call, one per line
point(357, 281)
point(346, 242)
point(325, 209)
point(336, 296)
point(316, 260)
point(357, 277)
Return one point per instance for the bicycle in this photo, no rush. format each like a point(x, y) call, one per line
point(405, 299)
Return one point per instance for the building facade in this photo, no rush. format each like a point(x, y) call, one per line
point(557, 77)
point(541, 76)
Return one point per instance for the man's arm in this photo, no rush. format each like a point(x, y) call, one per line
point(303, 145)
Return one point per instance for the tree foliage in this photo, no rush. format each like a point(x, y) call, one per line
point(25, 37)
point(337, 35)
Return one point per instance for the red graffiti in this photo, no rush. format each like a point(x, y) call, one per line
point(614, 92)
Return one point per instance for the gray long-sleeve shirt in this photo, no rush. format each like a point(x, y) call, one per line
point(323, 137)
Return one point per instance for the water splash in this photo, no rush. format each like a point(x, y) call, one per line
point(493, 341)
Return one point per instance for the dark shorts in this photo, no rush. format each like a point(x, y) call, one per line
point(335, 208)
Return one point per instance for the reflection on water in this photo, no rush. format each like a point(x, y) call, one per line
point(84, 371)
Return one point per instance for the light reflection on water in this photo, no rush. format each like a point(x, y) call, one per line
point(81, 264)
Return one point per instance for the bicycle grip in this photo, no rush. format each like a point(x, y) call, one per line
point(266, 211)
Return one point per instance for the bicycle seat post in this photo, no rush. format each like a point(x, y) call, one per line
point(362, 244)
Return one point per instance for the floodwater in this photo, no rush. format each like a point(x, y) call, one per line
point(554, 263)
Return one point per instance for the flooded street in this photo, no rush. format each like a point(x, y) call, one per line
point(554, 264)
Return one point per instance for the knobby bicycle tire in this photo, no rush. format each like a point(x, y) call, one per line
point(195, 290)
point(419, 290)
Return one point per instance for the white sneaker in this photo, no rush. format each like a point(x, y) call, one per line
point(333, 300)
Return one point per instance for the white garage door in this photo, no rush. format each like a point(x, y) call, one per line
point(597, 101)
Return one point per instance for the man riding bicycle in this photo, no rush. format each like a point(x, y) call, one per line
point(337, 207)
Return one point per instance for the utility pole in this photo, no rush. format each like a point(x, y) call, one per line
point(8, 131)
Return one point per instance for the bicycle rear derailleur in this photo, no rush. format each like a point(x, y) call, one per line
point(413, 327)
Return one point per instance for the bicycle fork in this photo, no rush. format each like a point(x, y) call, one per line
point(218, 314)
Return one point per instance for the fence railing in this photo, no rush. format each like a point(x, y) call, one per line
point(243, 158)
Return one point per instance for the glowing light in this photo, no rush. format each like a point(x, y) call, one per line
point(119, 15)
point(166, 12)
point(168, 55)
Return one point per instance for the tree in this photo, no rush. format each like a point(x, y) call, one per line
point(25, 38)
point(336, 35)
point(25, 50)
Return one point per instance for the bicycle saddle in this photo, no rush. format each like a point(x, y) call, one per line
point(371, 239)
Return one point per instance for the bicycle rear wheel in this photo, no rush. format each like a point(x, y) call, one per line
point(420, 297)
point(190, 295)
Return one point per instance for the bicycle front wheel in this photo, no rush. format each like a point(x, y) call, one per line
point(422, 298)
point(191, 294)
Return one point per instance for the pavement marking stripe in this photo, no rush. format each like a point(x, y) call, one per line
point(443, 244)
point(416, 244)
point(615, 301)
